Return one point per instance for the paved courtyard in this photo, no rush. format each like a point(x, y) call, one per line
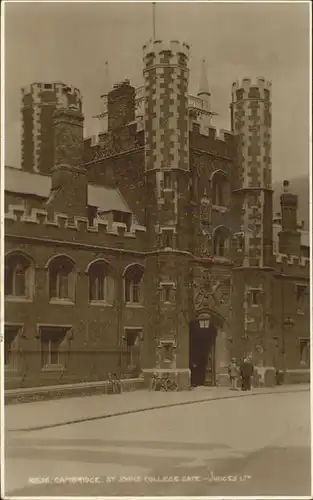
point(253, 445)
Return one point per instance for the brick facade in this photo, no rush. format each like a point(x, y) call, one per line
point(189, 255)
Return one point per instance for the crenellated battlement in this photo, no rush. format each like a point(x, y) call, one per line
point(61, 95)
point(215, 134)
point(249, 88)
point(158, 46)
point(292, 260)
point(40, 218)
point(212, 140)
point(35, 88)
point(246, 83)
point(102, 146)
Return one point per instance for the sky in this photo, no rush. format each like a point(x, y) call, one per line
point(70, 42)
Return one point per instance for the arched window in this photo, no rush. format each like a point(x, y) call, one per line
point(101, 283)
point(18, 276)
point(133, 284)
point(62, 278)
point(305, 352)
point(221, 241)
point(220, 189)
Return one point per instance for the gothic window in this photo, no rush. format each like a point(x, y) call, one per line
point(101, 283)
point(221, 241)
point(133, 278)
point(18, 276)
point(167, 238)
point(220, 189)
point(301, 294)
point(133, 337)
point(167, 293)
point(254, 297)
point(62, 279)
point(305, 352)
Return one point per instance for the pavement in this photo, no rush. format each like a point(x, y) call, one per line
point(206, 442)
point(44, 414)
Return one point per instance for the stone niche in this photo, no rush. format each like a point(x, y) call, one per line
point(166, 354)
point(165, 375)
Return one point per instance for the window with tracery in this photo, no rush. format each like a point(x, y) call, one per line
point(220, 189)
point(133, 279)
point(61, 279)
point(18, 276)
point(221, 242)
point(101, 283)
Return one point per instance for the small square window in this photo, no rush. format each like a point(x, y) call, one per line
point(167, 239)
point(132, 336)
point(168, 180)
point(166, 294)
point(255, 297)
point(301, 292)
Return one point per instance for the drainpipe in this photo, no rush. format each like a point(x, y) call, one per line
point(283, 324)
point(245, 318)
point(120, 304)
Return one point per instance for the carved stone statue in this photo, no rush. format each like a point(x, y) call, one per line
point(205, 211)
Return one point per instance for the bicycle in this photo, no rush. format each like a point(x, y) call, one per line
point(155, 382)
point(171, 385)
point(159, 383)
point(116, 385)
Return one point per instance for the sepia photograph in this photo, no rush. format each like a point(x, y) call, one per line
point(156, 194)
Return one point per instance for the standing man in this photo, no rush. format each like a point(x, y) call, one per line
point(246, 372)
point(233, 372)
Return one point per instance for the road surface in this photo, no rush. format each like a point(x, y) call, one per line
point(244, 446)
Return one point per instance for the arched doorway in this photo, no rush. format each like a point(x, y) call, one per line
point(202, 338)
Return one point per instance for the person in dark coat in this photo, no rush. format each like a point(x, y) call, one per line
point(246, 372)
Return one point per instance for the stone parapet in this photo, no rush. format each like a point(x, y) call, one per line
point(32, 394)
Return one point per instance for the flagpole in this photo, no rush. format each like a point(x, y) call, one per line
point(153, 21)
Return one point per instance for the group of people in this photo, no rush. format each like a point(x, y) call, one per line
point(244, 371)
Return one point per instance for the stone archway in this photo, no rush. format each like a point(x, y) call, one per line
point(211, 303)
point(203, 332)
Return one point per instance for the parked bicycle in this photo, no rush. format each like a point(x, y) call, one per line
point(115, 384)
point(166, 384)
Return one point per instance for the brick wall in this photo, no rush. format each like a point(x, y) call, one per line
point(46, 160)
point(97, 329)
point(27, 139)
